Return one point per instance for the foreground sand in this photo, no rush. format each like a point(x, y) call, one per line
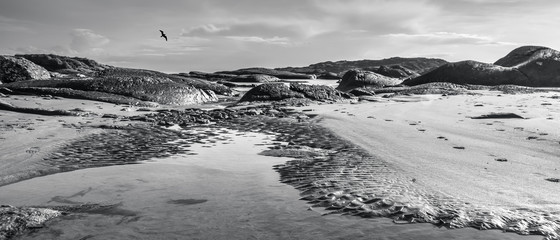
point(433, 141)
point(430, 140)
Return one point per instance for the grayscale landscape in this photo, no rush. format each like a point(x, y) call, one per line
point(279, 120)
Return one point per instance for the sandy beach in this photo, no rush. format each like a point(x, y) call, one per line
point(431, 146)
point(434, 140)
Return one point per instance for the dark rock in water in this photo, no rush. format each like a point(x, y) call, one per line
point(271, 72)
point(498, 115)
point(472, 72)
point(65, 64)
point(540, 64)
point(359, 78)
point(187, 201)
point(256, 78)
point(13, 69)
point(280, 91)
point(553, 179)
point(396, 71)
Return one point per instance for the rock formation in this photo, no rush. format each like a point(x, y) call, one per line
point(13, 69)
point(359, 78)
point(143, 85)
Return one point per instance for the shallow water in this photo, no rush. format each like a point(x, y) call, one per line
point(222, 190)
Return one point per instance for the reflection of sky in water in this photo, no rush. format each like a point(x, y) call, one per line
point(225, 191)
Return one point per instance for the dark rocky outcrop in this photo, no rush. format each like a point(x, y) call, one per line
point(13, 69)
point(359, 78)
point(280, 91)
point(64, 64)
point(271, 72)
point(472, 72)
point(140, 84)
point(417, 65)
point(540, 64)
point(254, 78)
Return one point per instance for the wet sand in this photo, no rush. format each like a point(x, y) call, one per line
point(222, 190)
point(455, 156)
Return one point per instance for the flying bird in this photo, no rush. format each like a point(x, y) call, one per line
point(163, 35)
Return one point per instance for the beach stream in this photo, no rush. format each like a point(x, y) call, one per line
point(221, 189)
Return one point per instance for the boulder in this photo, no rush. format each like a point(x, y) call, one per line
point(472, 72)
point(254, 78)
point(540, 64)
point(319, 92)
point(280, 91)
point(13, 69)
point(359, 78)
point(270, 92)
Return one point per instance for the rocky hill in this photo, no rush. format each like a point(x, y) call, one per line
point(472, 72)
point(540, 64)
point(416, 65)
point(530, 66)
point(64, 64)
point(13, 69)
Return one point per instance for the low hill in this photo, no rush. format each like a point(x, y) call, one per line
point(531, 66)
point(472, 72)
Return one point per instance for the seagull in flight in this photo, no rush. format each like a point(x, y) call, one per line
point(163, 35)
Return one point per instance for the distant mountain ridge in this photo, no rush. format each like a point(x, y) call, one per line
point(419, 65)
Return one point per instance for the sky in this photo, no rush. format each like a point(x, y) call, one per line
point(214, 35)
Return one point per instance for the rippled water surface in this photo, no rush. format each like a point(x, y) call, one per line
point(222, 190)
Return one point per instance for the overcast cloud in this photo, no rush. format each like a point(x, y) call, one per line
point(216, 35)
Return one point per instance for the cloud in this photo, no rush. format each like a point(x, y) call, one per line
point(87, 41)
point(272, 40)
point(448, 38)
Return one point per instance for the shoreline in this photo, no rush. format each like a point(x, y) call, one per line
point(326, 137)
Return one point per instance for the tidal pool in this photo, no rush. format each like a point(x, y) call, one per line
point(221, 189)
